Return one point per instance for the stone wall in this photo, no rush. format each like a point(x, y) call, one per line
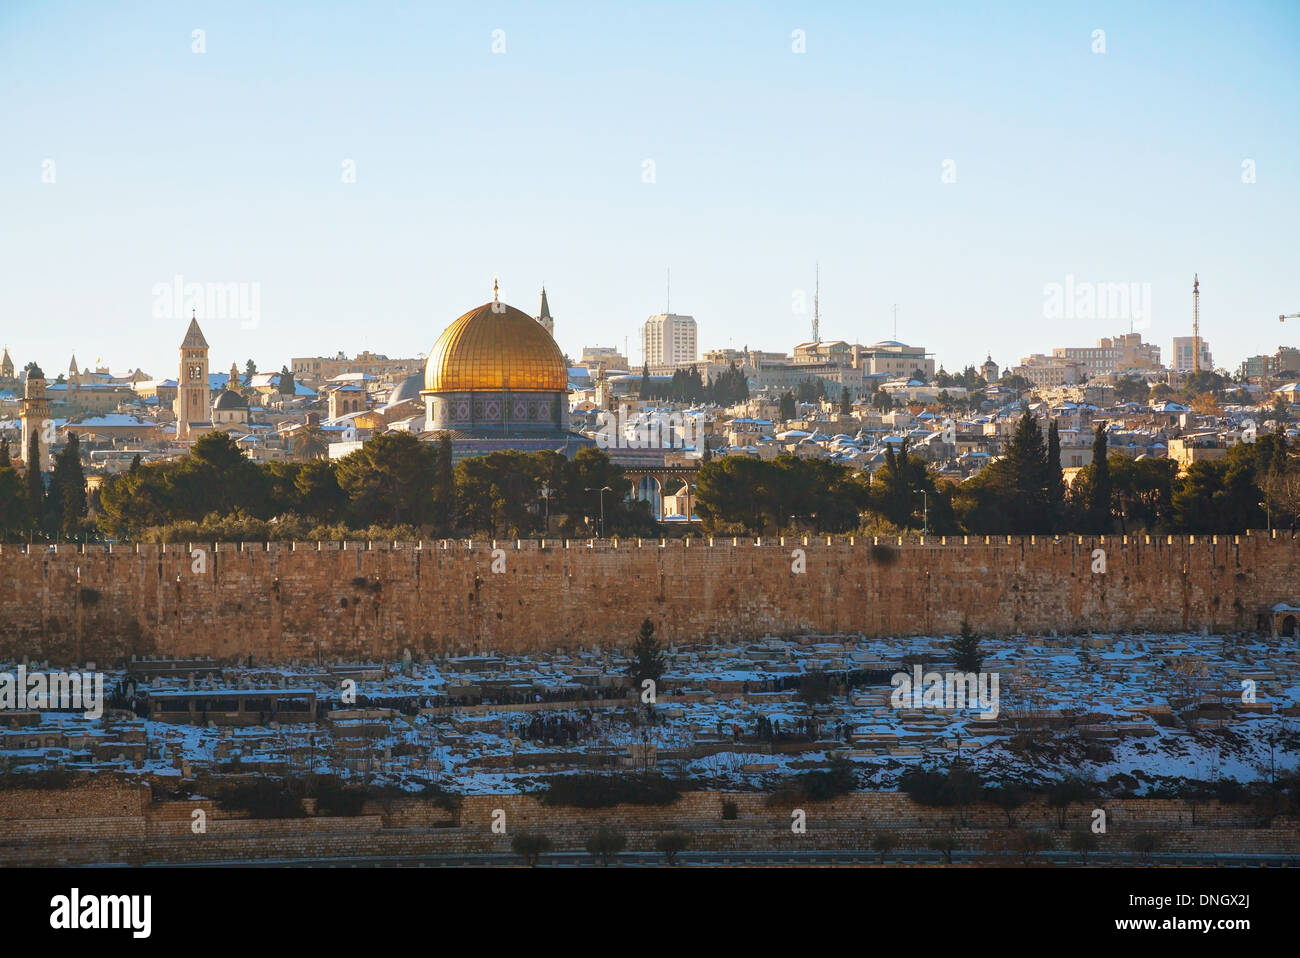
point(115, 822)
point(310, 601)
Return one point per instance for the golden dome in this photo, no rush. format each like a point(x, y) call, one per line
point(496, 351)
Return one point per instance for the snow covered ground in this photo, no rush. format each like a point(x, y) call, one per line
point(1142, 707)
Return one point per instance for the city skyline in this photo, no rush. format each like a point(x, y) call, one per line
point(957, 165)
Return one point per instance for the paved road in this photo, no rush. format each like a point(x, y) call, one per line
point(764, 858)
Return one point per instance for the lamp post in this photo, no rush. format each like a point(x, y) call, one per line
point(925, 513)
point(602, 490)
point(545, 493)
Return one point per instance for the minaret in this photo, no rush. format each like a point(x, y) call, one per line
point(544, 316)
point(193, 397)
point(34, 412)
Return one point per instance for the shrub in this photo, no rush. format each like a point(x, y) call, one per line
point(884, 843)
point(89, 596)
point(605, 844)
point(671, 844)
point(604, 791)
point(530, 846)
point(1145, 844)
point(946, 843)
point(262, 798)
point(730, 812)
point(335, 798)
point(1083, 841)
point(1029, 843)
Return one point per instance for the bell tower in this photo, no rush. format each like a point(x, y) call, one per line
point(34, 413)
point(193, 396)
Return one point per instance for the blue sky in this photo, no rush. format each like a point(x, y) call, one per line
point(226, 166)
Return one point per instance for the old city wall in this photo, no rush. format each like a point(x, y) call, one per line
point(307, 601)
point(118, 822)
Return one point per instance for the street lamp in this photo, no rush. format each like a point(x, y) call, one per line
point(545, 493)
point(602, 491)
point(925, 513)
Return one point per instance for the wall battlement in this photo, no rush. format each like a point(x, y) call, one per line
point(309, 601)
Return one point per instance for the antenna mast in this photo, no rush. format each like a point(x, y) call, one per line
point(1196, 323)
point(817, 316)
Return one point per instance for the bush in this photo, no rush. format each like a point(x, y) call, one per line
point(839, 778)
point(52, 779)
point(334, 798)
point(89, 596)
point(605, 791)
point(730, 812)
point(671, 844)
point(946, 843)
point(1145, 844)
point(530, 846)
point(262, 798)
point(605, 844)
point(1083, 841)
point(884, 843)
point(1029, 843)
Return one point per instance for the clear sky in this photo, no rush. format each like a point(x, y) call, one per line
point(227, 166)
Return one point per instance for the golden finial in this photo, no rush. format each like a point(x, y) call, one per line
point(495, 297)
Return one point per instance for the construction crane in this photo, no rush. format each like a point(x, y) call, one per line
point(1283, 319)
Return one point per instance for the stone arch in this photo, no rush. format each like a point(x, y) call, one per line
point(649, 489)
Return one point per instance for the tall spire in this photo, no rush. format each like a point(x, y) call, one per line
point(546, 310)
point(817, 315)
point(233, 381)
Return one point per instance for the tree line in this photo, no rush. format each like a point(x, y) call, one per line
point(394, 482)
point(1023, 493)
point(687, 386)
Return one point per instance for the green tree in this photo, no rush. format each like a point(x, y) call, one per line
point(444, 489)
point(389, 480)
point(250, 369)
point(672, 844)
point(530, 846)
point(648, 659)
point(1097, 506)
point(846, 404)
point(965, 649)
point(284, 385)
point(787, 406)
point(1055, 481)
point(13, 503)
point(606, 844)
point(35, 484)
point(66, 500)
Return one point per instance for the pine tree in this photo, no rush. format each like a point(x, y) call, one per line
point(966, 649)
point(648, 660)
point(284, 386)
point(35, 486)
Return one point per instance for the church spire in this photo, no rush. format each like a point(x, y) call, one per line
point(544, 315)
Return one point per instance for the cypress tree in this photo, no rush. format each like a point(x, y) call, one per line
point(444, 489)
point(67, 497)
point(1055, 479)
point(35, 487)
point(644, 392)
point(1099, 487)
